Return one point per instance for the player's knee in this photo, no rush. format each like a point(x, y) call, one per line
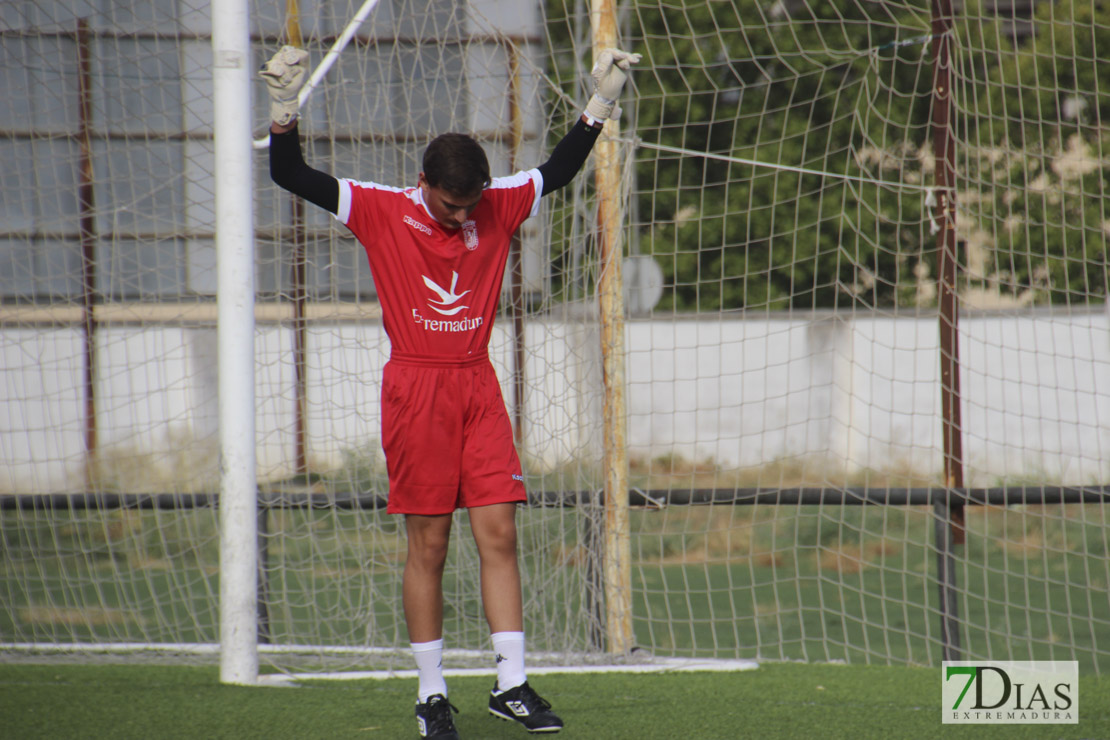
point(506, 539)
point(499, 543)
point(428, 553)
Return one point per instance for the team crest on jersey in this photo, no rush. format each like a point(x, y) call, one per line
point(470, 234)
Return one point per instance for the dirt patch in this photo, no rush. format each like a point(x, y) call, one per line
point(769, 559)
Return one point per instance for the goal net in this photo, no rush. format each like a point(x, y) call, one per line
point(866, 361)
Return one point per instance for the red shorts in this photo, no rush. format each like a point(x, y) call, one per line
point(447, 437)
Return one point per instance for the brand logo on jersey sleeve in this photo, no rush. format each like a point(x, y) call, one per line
point(470, 234)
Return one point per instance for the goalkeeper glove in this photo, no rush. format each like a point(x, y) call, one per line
point(284, 76)
point(610, 74)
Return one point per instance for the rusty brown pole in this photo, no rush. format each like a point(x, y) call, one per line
point(944, 152)
point(299, 278)
point(85, 198)
point(299, 299)
point(948, 517)
point(516, 258)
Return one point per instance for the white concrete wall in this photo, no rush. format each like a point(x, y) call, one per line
point(866, 391)
point(856, 390)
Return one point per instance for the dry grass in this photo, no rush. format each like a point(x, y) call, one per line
point(139, 561)
point(569, 555)
point(92, 616)
point(848, 539)
point(180, 463)
point(768, 559)
point(669, 471)
point(1025, 546)
point(841, 559)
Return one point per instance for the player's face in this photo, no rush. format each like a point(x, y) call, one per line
point(450, 209)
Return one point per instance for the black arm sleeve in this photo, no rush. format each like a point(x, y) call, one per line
point(288, 169)
point(568, 156)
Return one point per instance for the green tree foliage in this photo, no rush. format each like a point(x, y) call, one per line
point(846, 89)
point(1033, 120)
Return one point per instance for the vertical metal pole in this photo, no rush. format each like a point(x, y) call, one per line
point(608, 156)
point(946, 580)
point(516, 257)
point(292, 28)
point(944, 152)
point(264, 632)
point(949, 517)
point(594, 583)
point(235, 339)
point(300, 335)
point(299, 279)
point(86, 203)
point(517, 299)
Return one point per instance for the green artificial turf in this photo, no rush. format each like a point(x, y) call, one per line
point(777, 700)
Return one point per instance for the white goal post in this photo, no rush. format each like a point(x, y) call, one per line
point(232, 78)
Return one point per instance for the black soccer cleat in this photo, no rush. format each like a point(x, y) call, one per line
point(523, 705)
point(434, 720)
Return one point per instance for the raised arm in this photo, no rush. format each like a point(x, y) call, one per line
point(568, 156)
point(284, 75)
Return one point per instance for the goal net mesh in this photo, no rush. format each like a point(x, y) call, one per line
point(783, 255)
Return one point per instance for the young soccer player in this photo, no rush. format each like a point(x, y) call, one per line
point(437, 252)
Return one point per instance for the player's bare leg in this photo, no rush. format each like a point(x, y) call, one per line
point(422, 595)
point(494, 529)
point(422, 589)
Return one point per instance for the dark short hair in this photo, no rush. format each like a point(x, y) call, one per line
point(456, 163)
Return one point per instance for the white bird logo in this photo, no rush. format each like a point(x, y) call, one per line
point(446, 297)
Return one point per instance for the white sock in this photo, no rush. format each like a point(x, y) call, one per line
point(509, 647)
point(429, 668)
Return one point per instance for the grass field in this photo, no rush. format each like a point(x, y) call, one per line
point(817, 584)
point(777, 700)
point(809, 584)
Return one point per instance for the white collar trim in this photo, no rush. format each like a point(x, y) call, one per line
point(417, 197)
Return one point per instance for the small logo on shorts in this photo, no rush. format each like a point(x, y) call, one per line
point(518, 477)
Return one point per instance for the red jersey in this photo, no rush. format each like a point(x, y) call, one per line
point(438, 287)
